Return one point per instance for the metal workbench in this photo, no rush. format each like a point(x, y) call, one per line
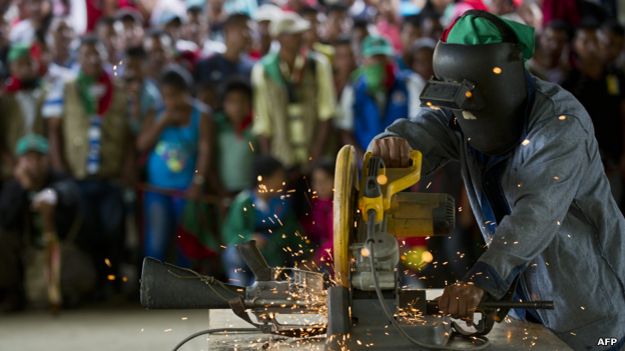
point(508, 335)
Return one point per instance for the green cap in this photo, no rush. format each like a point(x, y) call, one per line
point(476, 30)
point(31, 142)
point(18, 50)
point(376, 45)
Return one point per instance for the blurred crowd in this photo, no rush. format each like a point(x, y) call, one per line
point(178, 128)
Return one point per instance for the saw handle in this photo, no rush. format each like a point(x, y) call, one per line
point(409, 179)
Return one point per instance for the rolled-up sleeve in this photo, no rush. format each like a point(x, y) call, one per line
point(555, 160)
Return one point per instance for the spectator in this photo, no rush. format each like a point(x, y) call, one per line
point(235, 143)
point(380, 95)
point(216, 18)
point(34, 20)
point(234, 62)
point(89, 139)
point(261, 214)
point(131, 24)
point(108, 34)
point(60, 42)
point(318, 225)
point(21, 101)
point(431, 26)
point(195, 28)
point(552, 54)
point(420, 58)
point(265, 14)
point(420, 71)
point(293, 97)
point(178, 142)
point(410, 31)
point(311, 38)
point(388, 23)
point(337, 23)
point(160, 52)
point(187, 53)
point(144, 97)
point(37, 209)
point(612, 36)
point(343, 65)
point(601, 90)
point(360, 31)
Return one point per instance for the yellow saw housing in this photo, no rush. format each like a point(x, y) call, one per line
point(406, 214)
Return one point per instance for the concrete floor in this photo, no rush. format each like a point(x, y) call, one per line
point(110, 329)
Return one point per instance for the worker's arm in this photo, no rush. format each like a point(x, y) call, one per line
point(429, 132)
point(540, 191)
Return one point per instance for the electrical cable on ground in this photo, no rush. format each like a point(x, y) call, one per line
point(214, 331)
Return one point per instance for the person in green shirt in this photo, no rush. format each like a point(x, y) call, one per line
point(235, 143)
point(263, 214)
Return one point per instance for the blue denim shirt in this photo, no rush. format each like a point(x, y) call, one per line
point(564, 237)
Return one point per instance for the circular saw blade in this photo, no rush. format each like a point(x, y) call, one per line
point(344, 207)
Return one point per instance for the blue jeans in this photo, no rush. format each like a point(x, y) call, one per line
point(162, 216)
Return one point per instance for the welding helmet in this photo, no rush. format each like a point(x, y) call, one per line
point(480, 77)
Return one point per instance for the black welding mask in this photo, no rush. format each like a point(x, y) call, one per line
point(484, 86)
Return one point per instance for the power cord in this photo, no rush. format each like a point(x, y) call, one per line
point(215, 331)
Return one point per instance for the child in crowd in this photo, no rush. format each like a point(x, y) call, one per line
point(234, 139)
point(178, 141)
point(318, 223)
point(262, 214)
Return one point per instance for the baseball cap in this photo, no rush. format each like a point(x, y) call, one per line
point(376, 45)
point(31, 142)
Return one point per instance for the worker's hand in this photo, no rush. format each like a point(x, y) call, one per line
point(394, 151)
point(460, 300)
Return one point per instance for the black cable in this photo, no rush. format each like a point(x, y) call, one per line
point(214, 331)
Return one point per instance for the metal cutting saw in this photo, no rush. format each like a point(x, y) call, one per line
point(363, 306)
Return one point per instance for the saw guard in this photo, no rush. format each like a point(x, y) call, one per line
point(345, 194)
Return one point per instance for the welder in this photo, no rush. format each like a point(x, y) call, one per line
point(533, 174)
